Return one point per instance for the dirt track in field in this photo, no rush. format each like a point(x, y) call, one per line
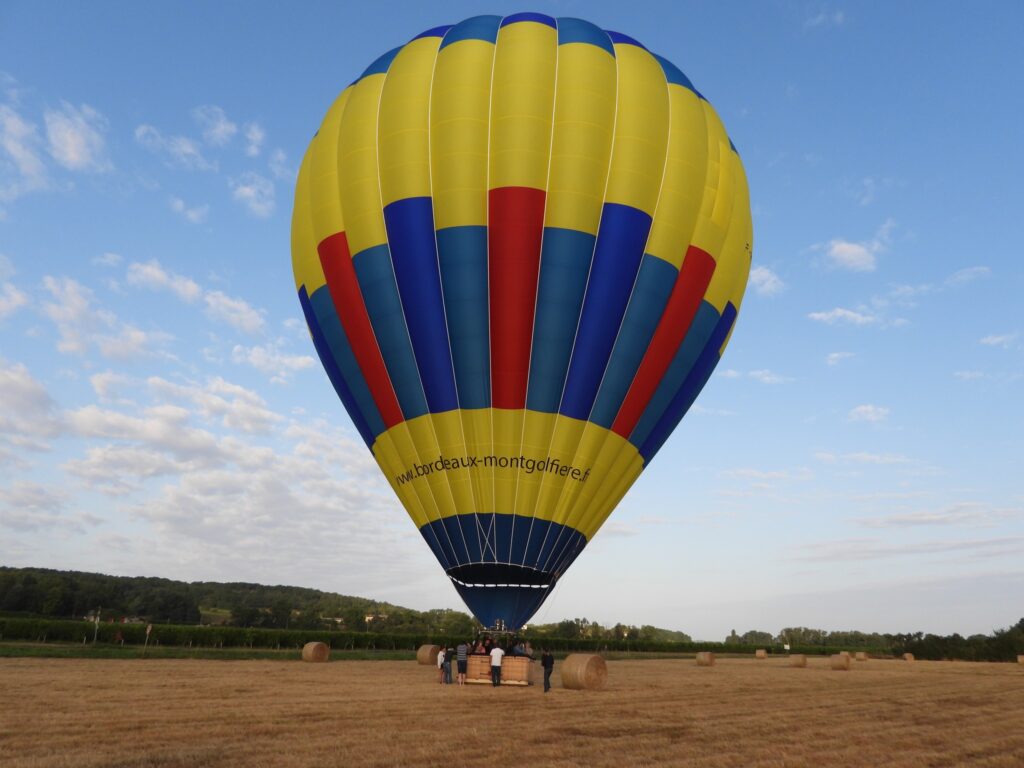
point(82, 713)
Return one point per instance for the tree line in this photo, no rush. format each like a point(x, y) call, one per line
point(1002, 645)
point(77, 595)
point(582, 629)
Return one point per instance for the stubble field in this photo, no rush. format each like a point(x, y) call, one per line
point(171, 713)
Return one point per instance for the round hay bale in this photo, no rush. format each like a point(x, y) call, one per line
point(908, 657)
point(841, 662)
point(1020, 658)
point(584, 672)
point(316, 652)
point(798, 660)
point(705, 659)
point(862, 656)
point(427, 655)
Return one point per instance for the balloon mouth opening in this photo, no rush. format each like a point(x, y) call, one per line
point(500, 575)
point(502, 596)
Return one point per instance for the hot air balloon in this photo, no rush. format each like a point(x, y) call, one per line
point(520, 244)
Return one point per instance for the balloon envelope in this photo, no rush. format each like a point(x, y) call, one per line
point(520, 244)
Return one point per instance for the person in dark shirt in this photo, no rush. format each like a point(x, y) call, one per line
point(447, 665)
point(547, 661)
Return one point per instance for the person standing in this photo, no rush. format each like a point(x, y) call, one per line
point(447, 665)
point(440, 665)
point(496, 654)
point(462, 659)
point(547, 661)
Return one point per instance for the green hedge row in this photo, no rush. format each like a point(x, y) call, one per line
point(56, 630)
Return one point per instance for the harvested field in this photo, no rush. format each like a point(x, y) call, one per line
point(177, 713)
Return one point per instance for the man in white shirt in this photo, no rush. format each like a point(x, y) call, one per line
point(440, 665)
point(496, 654)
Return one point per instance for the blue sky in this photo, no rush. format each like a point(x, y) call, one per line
point(855, 462)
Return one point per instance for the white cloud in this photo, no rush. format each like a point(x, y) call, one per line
point(228, 492)
point(279, 167)
point(28, 415)
point(870, 413)
point(217, 129)
point(766, 282)
point(746, 480)
point(162, 436)
point(28, 506)
point(857, 256)
point(9, 85)
point(968, 375)
point(254, 137)
point(179, 150)
point(75, 137)
point(841, 315)
point(906, 295)
point(106, 260)
point(825, 19)
point(73, 314)
point(697, 408)
point(320, 500)
point(768, 377)
point(118, 470)
point(21, 168)
point(998, 340)
point(220, 501)
point(863, 457)
point(968, 275)
point(729, 373)
point(756, 474)
point(255, 192)
point(270, 360)
point(153, 276)
point(238, 408)
point(865, 193)
point(80, 325)
point(968, 513)
point(193, 215)
point(129, 343)
point(235, 312)
point(873, 549)
point(107, 385)
point(835, 358)
point(163, 428)
point(11, 300)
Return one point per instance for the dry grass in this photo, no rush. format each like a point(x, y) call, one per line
point(177, 713)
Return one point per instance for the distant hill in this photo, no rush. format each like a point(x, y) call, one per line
point(75, 594)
